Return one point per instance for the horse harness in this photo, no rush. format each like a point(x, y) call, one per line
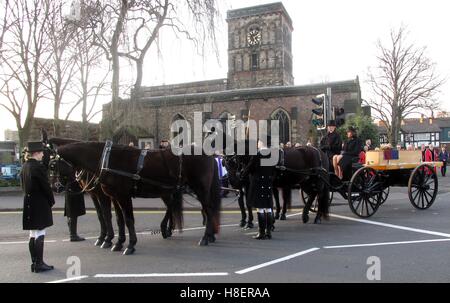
point(104, 168)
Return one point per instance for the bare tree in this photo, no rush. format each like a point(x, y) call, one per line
point(63, 67)
point(91, 77)
point(128, 28)
point(403, 83)
point(25, 60)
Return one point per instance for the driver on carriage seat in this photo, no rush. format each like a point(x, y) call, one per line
point(331, 144)
point(350, 154)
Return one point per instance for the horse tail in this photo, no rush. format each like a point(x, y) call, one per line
point(216, 199)
point(177, 208)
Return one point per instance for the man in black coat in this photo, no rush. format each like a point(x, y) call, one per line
point(37, 204)
point(260, 190)
point(74, 207)
point(331, 144)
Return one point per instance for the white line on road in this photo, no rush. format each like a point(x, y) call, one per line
point(253, 268)
point(69, 280)
point(157, 275)
point(24, 242)
point(416, 230)
point(386, 243)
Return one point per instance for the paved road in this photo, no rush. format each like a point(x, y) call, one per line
point(411, 246)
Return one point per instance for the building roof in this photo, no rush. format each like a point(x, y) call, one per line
point(7, 145)
point(414, 126)
point(259, 10)
point(253, 93)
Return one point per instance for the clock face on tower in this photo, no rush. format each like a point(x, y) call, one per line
point(254, 37)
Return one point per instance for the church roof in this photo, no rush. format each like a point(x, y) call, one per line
point(254, 93)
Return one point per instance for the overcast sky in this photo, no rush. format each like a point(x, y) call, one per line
point(332, 41)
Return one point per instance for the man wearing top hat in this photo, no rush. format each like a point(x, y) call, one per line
point(260, 189)
point(37, 204)
point(331, 144)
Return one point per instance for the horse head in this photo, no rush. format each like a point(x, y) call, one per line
point(61, 174)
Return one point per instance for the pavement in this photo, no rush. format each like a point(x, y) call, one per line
point(397, 244)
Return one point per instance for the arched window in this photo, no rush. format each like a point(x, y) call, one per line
point(284, 123)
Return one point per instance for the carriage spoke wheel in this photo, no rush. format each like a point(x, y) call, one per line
point(315, 204)
point(384, 195)
point(365, 192)
point(423, 187)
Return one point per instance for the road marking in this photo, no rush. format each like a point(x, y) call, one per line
point(25, 242)
point(69, 280)
point(386, 243)
point(158, 275)
point(416, 230)
point(253, 268)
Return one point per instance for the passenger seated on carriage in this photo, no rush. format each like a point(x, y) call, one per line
point(350, 154)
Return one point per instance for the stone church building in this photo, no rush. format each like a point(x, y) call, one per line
point(260, 82)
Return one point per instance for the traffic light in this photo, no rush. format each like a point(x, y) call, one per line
point(320, 113)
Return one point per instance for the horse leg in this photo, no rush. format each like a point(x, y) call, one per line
point(249, 210)
point(242, 208)
point(121, 225)
point(106, 206)
point(101, 219)
point(305, 214)
point(276, 196)
point(127, 208)
point(323, 205)
point(167, 222)
point(287, 201)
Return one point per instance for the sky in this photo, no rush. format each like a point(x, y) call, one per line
point(332, 41)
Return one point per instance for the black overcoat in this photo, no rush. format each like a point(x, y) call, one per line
point(350, 152)
point(38, 199)
point(261, 183)
point(74, 201)
point(331, 144)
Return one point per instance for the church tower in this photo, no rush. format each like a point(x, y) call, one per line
point(259, 47)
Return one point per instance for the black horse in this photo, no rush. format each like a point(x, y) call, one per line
point(305, 168)
point(62, 176)
point(163, 175)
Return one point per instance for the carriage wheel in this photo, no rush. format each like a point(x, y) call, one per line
point(384, 195)
point(365, 192)
point(423, 187)
point(315, 204)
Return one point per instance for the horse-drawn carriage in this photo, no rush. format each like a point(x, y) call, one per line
point(368, 187)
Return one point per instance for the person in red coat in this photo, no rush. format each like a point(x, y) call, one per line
point(429, 153)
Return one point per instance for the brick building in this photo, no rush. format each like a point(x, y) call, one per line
point(68, 129)
point(259, 83)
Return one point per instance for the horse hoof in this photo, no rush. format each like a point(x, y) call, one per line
point(106, 245)
point(249, 225)
point(212, 239)
point(169, 233)
point(164, 234)
point(129, 251)
point(242, 224)
point(99, 242)
point(283, 217)
point(277, 216)
point(305, 219)
point(318, 221)
point(203, 242)
point(117, 247)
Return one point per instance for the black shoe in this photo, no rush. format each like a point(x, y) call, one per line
point(39, 251)
point(72, 222)
point(262, 227)
point(249, 225)
point(242, 224)
point(32, 253)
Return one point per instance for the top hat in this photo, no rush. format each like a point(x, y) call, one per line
point(332, 123)
point(33, 147)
